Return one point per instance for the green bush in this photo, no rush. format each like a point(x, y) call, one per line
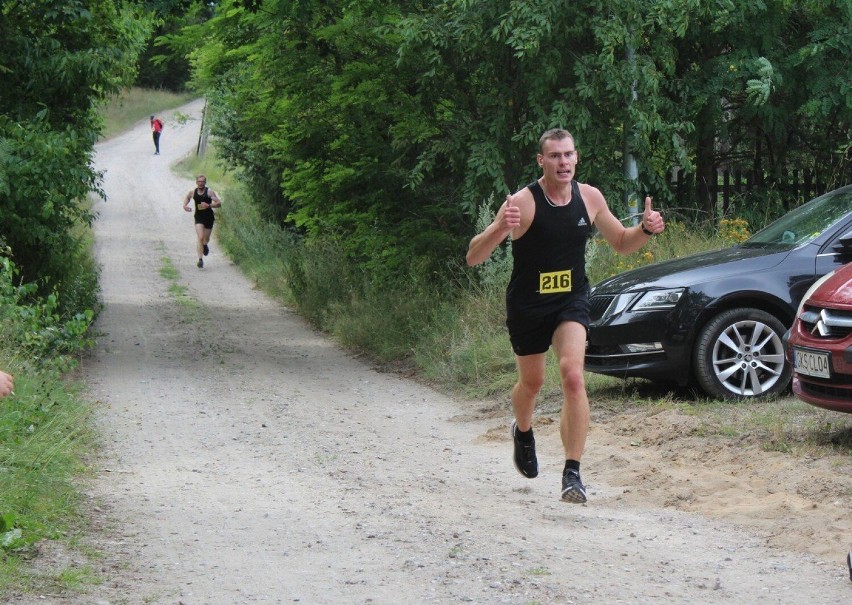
point(389, 322)
point(44, 428)
point(320, 279)
point(32, 325)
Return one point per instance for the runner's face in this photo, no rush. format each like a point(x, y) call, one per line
point(558, 160)
point(200, 183)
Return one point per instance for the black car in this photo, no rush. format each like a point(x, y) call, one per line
point(716, 319)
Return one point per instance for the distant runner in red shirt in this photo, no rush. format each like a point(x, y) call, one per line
point(156, 129)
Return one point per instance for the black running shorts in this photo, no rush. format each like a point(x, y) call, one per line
point(534, 335)
point(205, 218)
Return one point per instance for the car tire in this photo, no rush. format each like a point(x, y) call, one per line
point(739, 354)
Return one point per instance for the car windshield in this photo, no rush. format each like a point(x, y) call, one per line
point(803, 224)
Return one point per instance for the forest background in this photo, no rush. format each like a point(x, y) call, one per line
point(365, 142)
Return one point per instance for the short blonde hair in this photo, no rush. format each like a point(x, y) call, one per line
point(554, 134)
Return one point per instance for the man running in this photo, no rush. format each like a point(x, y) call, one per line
point(547, 299)
point(205, 200)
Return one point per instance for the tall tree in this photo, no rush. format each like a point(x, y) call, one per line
point(162, 64)
point(762, 85)
point(61, 58)
point(508, 70)
point(308, 101)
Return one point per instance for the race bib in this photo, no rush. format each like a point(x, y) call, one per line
point(555, 281)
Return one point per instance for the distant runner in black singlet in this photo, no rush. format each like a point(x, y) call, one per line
point(204, 200)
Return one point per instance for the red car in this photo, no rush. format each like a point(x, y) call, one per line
point(819, 345)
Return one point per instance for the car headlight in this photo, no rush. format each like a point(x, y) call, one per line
point(620, 303)
point(657, 299)
point(650, 300)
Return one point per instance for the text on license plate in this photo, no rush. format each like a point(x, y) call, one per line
point(811, 363)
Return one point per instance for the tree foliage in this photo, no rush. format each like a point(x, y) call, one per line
point(163, 64)
point(61, 58)
point(386, 125)
point(306, 99)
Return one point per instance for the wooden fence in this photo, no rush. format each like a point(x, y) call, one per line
point(801, 186)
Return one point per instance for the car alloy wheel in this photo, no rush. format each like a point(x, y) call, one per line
point(739, 353)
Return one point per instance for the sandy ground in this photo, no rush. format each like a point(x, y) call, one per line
point(247, 459)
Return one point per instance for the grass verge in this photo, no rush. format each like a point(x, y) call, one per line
point(44, 434)
point(180, 293)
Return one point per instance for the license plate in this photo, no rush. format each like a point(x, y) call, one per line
point(811, 363)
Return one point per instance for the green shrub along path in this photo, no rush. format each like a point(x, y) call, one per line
point(247, 459)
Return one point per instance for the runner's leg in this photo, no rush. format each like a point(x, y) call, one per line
point(530, 380)
point(200, 241)
point(569, 342)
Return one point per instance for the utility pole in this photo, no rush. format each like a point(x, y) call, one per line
point(203, 132)
point(631, 169)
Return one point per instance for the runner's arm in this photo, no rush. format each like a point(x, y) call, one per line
point(215, 202)
point(507, 220)
point(7, 384)
point(624, 240)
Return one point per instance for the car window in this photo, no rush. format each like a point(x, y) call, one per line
point(803, 224)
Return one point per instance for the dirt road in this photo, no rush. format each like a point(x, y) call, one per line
point(247, 460)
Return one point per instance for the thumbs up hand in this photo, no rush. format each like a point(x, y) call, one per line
point(651, 219)
point(509, 215)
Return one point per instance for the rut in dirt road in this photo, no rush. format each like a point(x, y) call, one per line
point(248, 460)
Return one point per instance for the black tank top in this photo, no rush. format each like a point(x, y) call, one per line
point(202, 198)
point(549, 260)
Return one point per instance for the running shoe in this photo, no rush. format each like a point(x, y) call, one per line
point(525, 460)
point(206, 250)
point(572, 487)
point(200, 263)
